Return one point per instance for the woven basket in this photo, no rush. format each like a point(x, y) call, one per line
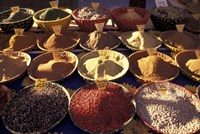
point(129, 24)
point(87, 25)
point(47, 25)
point(26, 23)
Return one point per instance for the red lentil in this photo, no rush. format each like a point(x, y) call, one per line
point(101, 110)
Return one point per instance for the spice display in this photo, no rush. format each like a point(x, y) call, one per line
point(194, 66)
point(138, 40)
point(176, 112)
point(101, 111)
point(11, 66)
point(35, 111)
point(90, 13)
point(53, 14)
point(96, 65)
point(46, 66)
point(22, 42)
point(16, 16)
point(180, 40)
point(59, 42)
point(99, 40)
point(151, 68)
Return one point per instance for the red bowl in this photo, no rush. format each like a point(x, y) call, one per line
point(129, 24)
point(88, 25)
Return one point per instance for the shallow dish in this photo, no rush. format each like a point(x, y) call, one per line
point(14, 66)
point(113, 100)
point(136, 70)
point(95, 65)
point(182, 58)
point(45, 66)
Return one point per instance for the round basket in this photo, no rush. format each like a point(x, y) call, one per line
point(88, 25)
point(26, 23)
point(129, 24)
point(47, 25)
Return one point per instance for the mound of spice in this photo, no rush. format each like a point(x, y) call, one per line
point(34, 110)
point(58, 42)
point(194, 65)
point(142, 40)
point(11, 67)
point(100, 40)
point(90, 13)
point(53, 14)
point(130, 15)
point(53, 69)
point(151, 67)
point(22, 42)
point(101, 111)
point(176, 112)
point(16, 16)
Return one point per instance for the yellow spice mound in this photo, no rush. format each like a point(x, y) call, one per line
point(194, 65)
point(154, 67)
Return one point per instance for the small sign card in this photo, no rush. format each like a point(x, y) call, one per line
point(57, 29)
point(19, 31)
point(99, 26)
point(95, 5)
point(141, 28)
point(40, 83)
point(162, 87)
point(161, 3)
point(180, 27)
point(15, 9)
point(54, 4)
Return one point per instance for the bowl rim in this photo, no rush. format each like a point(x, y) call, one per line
point(67, 10)
point(26, 9)
point(107, 16)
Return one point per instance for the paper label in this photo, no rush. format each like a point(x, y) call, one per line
point(99, 26)
point(40, 83)
point(101, 84)
point(15, 9)
point(57, 29)
point(197, 52)
point(19, 31)
point(141, 28)
point(151, 51)
point(180, 27)
point(8, 52)
point(195, 1)
point(162, 87)
point(54, 4)
point(196, 16)
point(95, 5)
point(161, 3)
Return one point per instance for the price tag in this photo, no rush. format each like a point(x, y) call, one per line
point(161, 3)
point(196, 16)
point(195, 1)
point(180, 27)
point(15, 9)
point(40, 83)
point(162, 87)
point(99, 26)
point(8, 52)
point(57, 29)
point(151, 51)
point(95, 5)
point(19, 31)
point(141, 28)
point(197, 52)
point(54, 4)
point(101, 83)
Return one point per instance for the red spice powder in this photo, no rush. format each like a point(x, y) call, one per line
point(101, 110)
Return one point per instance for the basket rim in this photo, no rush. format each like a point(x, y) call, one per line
point(8, 23)
point(52, 21)
point(107, 16)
